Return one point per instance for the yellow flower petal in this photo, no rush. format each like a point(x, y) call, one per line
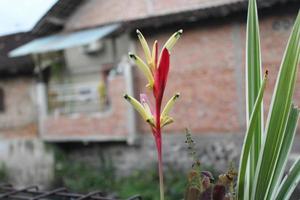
point(144, 68)
point(154, 56)
point(140, 109)
point(137, 105)
point(169, 105)
point(173, 39)
point(144, 46)
point(166, 120)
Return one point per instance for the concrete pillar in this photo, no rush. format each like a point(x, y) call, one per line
point(42, 105)
point(132, 131)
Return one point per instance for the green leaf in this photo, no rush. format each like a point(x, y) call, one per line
point(251, 131)
point(253, 82)
point(289, 182)
point(278, 117)
point(289, 137)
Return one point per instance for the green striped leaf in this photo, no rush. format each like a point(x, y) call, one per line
point(251, 131)
point(288, 140)
point(289, 183)
point(278, 117)
point(253, 82)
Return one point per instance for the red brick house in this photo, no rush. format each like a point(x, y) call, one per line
point(17, 90)
point(207, 64)
point(207, 67)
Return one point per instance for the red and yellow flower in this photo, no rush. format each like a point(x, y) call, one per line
point(156, 70)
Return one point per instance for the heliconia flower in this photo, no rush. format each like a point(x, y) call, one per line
point(150, 67)
point(156, 70)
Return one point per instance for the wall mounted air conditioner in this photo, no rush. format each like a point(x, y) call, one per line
point(93, 48)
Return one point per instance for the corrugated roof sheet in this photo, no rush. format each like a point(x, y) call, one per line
point(62, 41)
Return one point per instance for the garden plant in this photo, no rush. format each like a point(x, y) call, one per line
point(266, 145)
point(156, 70)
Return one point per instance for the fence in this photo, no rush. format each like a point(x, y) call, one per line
point(8, 192)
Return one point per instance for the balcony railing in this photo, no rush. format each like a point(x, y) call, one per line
point(76, 98)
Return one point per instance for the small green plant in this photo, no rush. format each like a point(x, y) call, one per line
point(202, 184)
point(144, 182)
point(267, 146)
point(83, 177)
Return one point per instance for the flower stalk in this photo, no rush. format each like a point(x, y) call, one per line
point(156, 70)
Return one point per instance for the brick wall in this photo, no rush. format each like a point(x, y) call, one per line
point(19, 118)
point(94, 12)
point(207, 67)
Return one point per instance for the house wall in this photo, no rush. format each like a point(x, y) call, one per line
point(24, 156)
point(20, 116)
point(76, 58)
point(207, 68)
point(78, 61)
point(27, 162)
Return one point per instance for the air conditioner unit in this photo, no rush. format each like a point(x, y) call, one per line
point(93, 48)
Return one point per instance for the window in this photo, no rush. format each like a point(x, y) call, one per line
point(2, 107)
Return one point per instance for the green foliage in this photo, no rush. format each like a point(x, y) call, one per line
point(253, 85)
point(289, 182)
point(202, 184)
point(195, 179)
point(246, 150)
point(266, 162)
point(144, 182)
point(83, 177)
point(3, 173)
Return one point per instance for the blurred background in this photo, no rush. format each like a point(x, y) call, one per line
point(64, 69)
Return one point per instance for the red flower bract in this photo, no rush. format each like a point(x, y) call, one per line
point(161, 75)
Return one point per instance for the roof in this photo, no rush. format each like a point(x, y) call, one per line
point(62, 41)
point(9, 65)
point(53, 21)
point(93, 13)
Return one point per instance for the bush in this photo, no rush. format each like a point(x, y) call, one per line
point(3, 173)
point(83, 177)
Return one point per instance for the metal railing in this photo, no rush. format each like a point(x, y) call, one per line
point(8, 192)
point(74, 98)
